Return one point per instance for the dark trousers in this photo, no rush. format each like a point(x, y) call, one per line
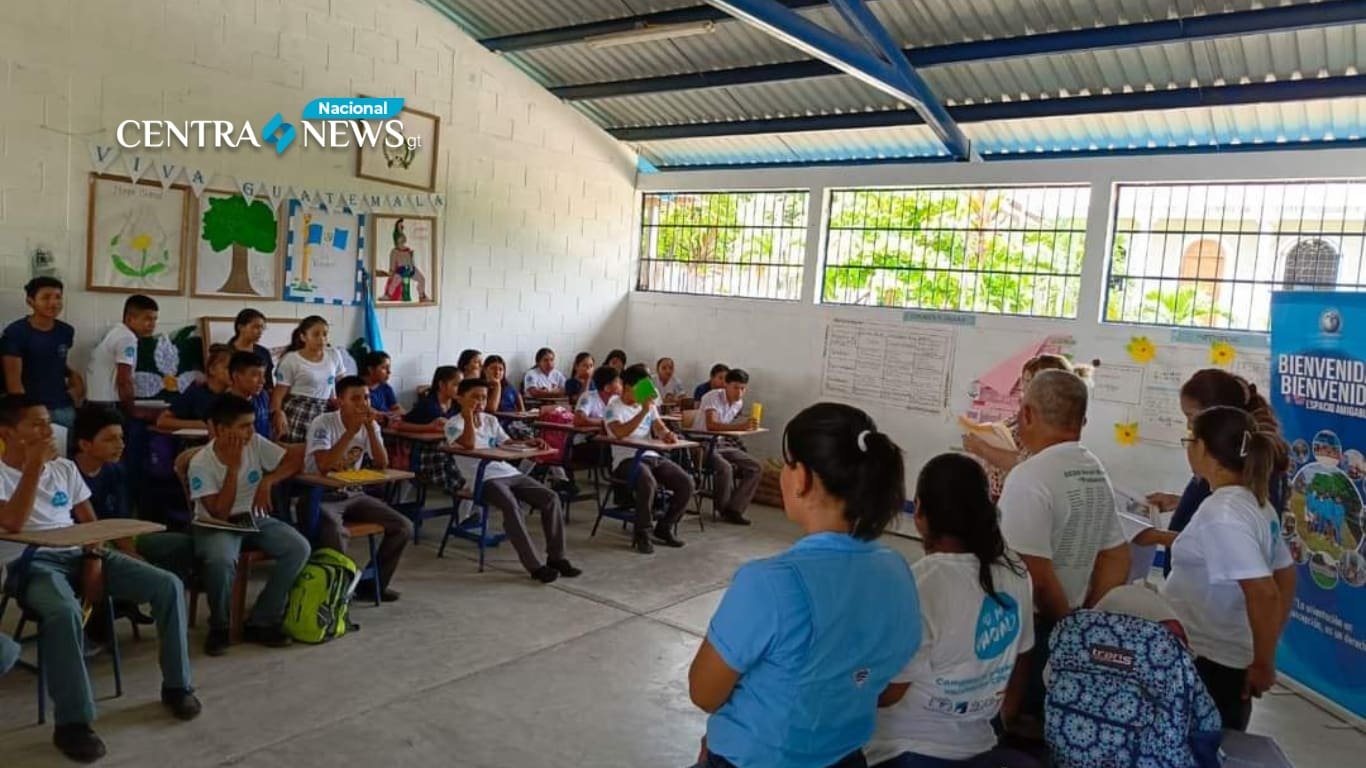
point(654, 472)
point(1225, 686)
point(360, 508)
point(730, 463)
point(506, 494)
point(1035, 691)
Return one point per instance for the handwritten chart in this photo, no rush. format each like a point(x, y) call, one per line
point(1159, 405)
point(903, 366)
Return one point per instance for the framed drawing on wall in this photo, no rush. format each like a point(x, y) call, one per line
point(404, 258)
point(218, 330)
point(411, 165)
point(324, 255)
point(236, 251)
point(136, 236)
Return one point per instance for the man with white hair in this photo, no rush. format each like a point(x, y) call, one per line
point(1058, 512)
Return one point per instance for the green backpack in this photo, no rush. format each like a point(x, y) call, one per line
point(320, 599)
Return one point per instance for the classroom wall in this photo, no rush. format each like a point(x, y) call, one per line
point(782, 343)
point(540, 203)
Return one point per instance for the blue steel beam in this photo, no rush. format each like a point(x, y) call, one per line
point(1212, 27)
point(1346, 86)
point(893, 77)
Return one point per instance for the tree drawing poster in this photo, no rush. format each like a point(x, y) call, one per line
point(404, 260)
point(136, 236)
point(323, 261)
point(236, 248)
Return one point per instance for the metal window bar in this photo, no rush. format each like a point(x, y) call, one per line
point(743, 244)
point(1000, 250)
point(1268, 236)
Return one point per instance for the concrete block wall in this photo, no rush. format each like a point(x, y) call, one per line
point(538, 225)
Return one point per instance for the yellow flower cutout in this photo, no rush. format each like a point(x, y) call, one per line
point(170, 384)
point(141, 242)
point(1141, 350)
point(1222, 354)
point(1126, 434)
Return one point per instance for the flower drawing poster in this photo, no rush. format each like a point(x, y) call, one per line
point(136, 236)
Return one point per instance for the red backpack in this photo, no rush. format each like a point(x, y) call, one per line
point(555, 438)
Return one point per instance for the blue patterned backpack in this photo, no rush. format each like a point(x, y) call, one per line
point(1123, 691)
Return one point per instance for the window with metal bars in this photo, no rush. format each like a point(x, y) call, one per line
point(748, 244)
point(1210, 255)
point(999, 250)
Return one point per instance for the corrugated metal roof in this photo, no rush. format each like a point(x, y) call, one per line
point(908, 142)
point(492, 18)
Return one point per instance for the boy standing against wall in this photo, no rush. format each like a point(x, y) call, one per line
point(35, 350)
point(110, 373)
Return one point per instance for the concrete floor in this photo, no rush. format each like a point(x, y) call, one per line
point(489, 669)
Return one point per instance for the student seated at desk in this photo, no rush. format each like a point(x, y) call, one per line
point(109, 376)
point(41, 491)
point(190, 409)
point(503, 397)
point(340, 441)
point(470, 363)
point(625, 418)
point(717, 381)
point(35, 352)
point(615, 359)
point(375, 367)
point(592, 406)
point(719, 411)
point(581, 377)
point(670, 387)
point(305, 380)
point(247, 380)
point(247, 329)
point(506, 488)
point(234, 475)
point(543, 381)
point(428, 417)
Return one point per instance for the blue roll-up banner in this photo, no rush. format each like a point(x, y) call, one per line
point(1318, 383)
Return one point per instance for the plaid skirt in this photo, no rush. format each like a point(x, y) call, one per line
point(299, 412)
point(436, 467)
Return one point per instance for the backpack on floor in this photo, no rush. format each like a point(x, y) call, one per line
point(1123, 691)
point(319, 601)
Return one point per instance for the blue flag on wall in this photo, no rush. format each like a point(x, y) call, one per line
point(373, 339)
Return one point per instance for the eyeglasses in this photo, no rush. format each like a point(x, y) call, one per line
point(1187, 442)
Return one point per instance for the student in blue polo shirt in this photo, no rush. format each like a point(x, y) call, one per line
point(35, 350)
point(804, 642)
point(190, 409)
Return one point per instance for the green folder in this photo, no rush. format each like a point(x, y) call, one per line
point(645, 390)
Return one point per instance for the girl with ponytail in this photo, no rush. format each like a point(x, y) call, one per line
point(428, 415)
point(1232, 581)
point(803, 642)
point(977, 604)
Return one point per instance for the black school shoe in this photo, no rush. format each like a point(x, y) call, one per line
point(181, 702)
point(641, 543)
point(216, 644)
point(666, 536)
point(545, 574)
point(365, 590)
point(78, 742)
point(565, 568)
point(271, 637)
point(734, 518)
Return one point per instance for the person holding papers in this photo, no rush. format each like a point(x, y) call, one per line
point(506, 488)
point(230, 482)
point(627, 417)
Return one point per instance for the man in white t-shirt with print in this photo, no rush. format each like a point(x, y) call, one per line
point(592, 405)
point(342, 440)
point(40, 491)
point(626, 418)
point(736, 473)
point(234, 475)
point(1058, 512)
point(109, 375)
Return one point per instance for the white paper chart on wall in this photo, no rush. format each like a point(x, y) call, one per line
point(900, 366)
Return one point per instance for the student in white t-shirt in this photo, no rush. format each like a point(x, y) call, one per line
point(305, 380)
point(737, 474)
point(40, 491)
point(1058, 512)
point(1233, 579)
point(977, 618)
point(627, 418)
point(234, 475)
point(109, 376)
point(592, 405)
point(543, 381)
point(505, 488)
point(670, 387)
point(343, 440)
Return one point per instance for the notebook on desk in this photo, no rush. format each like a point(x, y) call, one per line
point(242, 522)
point(357, 475)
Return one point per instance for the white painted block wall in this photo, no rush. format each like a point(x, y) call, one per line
point(540, 203)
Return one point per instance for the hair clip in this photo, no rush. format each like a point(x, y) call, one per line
point(863, 440)
point(1247, 438)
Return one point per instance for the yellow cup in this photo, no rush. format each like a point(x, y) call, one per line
point(756, 412)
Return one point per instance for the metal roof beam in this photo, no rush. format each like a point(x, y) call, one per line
point(1213, 26)
point(875, 60)
point(1177, 98)
point(543, 38)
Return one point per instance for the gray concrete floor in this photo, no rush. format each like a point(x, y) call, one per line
point(488, 669)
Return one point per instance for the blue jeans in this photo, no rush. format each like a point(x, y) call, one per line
point(218, 551)
point(47, 590)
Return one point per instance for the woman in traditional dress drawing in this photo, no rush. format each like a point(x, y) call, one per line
point(403, 271)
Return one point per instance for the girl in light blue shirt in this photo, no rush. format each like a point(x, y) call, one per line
point(803, 642)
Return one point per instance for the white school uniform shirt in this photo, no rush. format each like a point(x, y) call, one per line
point(306, 378)
point(537, 379)
point(60, 489)
point(326, 431)
point(1059, 504)
point(675, 387)
point(488, 433)
point(715, 400)
point(590, 404)
point(618, 412)
point(207, 473)
point(968, 650)
point(1230, 539)
point(119, 347)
